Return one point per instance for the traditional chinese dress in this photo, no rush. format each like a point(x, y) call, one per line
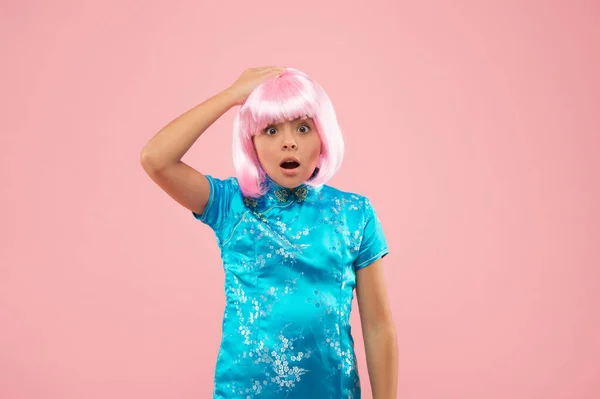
point(290, 259)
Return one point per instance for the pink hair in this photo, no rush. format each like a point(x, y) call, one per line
point(288, 96)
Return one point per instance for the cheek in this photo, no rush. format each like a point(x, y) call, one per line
point(316, 149)
point(263, 150)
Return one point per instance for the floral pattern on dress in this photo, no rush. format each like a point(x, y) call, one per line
point(290, 259)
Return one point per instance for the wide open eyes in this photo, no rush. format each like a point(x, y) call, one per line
point(272, 130)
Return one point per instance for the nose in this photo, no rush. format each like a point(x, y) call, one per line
point(289, 143)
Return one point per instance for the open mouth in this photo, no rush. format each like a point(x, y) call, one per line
point(290, 164)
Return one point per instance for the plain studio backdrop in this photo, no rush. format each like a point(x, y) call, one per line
point(472, 126)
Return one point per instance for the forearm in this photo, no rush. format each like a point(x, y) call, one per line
point(171, 143)
point(381, 350)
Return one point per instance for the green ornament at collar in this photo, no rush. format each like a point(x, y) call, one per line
point(250, 202)
point(282, 194)
point(301, 194)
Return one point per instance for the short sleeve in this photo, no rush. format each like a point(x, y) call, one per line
point(218, 207)
point(373, 243)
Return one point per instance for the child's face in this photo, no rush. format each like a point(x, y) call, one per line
point(296, 141)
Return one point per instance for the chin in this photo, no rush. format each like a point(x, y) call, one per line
point(291, 181)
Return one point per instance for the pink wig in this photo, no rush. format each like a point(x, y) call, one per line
point(288, 96)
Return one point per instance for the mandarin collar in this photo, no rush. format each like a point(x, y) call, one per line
point(277, 194)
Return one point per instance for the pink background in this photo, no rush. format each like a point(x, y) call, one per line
point(473, 128)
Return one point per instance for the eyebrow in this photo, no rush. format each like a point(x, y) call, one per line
point(305, 119)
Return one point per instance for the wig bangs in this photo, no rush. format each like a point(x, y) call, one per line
point(280, 100)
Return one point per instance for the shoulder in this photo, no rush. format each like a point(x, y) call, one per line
point(226, 187)
point(337, 193)
point(229, 181)
point(224, 205)
point(345, 200)
point(223, 192)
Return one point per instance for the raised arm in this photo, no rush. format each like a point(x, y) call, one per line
point(161, 156)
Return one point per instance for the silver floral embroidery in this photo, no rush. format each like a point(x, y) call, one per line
point(283, 359)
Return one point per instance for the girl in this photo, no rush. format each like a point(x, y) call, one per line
point(293, 247)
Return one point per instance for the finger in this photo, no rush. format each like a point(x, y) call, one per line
point(265, 68)
point(272, 69)
point(273, 73)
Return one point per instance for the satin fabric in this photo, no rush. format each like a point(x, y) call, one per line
point(290, 259)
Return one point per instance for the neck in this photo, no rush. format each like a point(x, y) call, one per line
point(272, 185)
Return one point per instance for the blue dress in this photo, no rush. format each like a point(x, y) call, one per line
point(290, 259)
